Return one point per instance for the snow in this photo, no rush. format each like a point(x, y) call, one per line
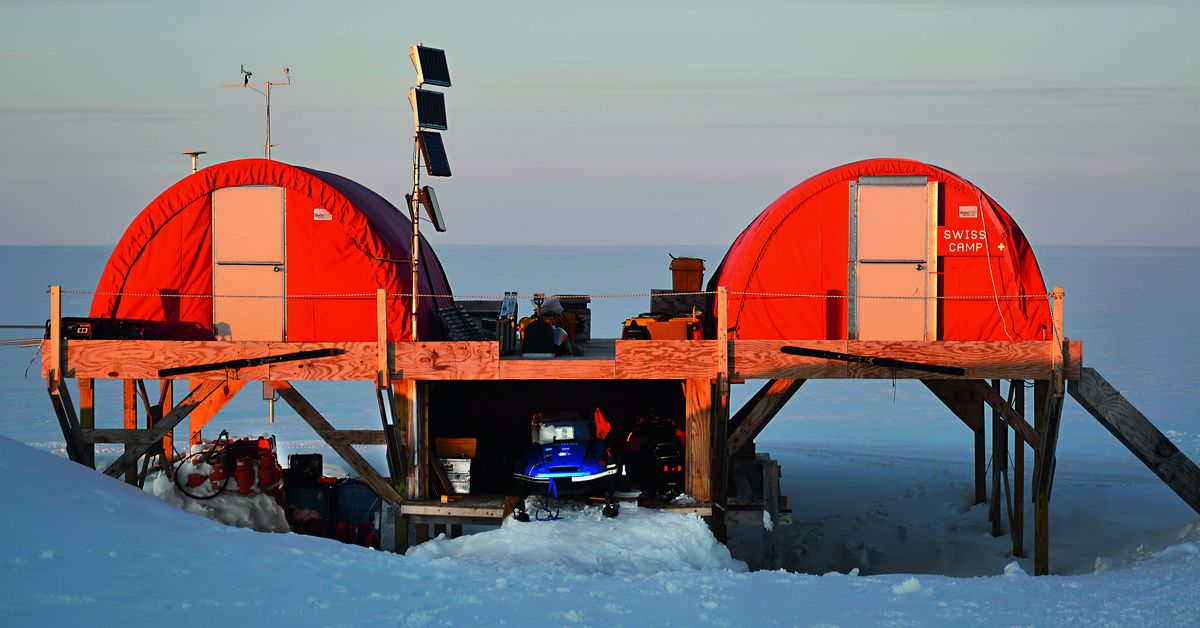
point(583, 541)
point(81, 546)
point(258, 512)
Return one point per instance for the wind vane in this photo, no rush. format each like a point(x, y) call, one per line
point(246, 74)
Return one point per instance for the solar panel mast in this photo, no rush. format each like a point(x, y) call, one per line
point(266, 85)
point(429, 112)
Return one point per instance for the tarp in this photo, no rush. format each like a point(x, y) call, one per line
point(167, 251)
point(799, 245)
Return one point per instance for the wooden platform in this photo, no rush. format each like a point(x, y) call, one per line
point(604, 359)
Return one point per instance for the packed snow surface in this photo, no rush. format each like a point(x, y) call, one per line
point(258, 512)
point(81, 547)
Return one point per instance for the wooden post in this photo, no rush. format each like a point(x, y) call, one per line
point(56, 349)
point(1018, 523)
point(383, 373)
point(999, 463)
point(129, 397)
point(1041, 507)
point(720, 420)
point(980, 462)
point(87, 416)
point(416, 443)
point(166, 400)
point(770, 480)
point(697, 394)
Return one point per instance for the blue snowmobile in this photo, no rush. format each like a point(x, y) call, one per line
point(565, 458)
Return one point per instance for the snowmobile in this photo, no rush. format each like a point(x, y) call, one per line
point(565, 458)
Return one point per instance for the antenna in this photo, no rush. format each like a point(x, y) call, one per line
point(195, 154)
point(246, 74)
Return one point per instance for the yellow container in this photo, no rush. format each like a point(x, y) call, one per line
point(687, 274)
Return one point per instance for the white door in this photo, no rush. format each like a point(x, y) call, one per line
point(889, 248)
point(248, 261)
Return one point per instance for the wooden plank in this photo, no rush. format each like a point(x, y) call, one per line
point(1138, 435)
point(667, 359)
point(87, 417)
point(750, 420)
point(360, 437)
point(452, 509)
point(761, 359)
point(697, 395)
point(206, 393)
point(447, 360)
point(1006, 412)
point(557, 368)
point(323, 429)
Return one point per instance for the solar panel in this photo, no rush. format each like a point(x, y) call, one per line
point(431, 65)
point(429, 108)
point(434, 153)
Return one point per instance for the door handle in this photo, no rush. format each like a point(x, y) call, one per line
point(920, 267)
point(279, 269)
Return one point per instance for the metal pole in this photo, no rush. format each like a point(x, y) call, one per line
point(194, 158)
point(415, 214)
point(268, 120)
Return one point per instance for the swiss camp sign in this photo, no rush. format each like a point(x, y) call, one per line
point(967, 237)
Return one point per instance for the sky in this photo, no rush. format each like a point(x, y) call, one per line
point(612, 122)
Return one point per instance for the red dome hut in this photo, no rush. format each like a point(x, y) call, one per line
point(253, 249)
point(884, 249)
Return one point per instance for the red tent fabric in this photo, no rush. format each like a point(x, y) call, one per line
point(167, 250)
point(799, 245)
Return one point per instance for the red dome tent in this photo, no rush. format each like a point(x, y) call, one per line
point(858, 252)
point(277, 231)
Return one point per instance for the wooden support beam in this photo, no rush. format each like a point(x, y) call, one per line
point(999, 464)
point(1138, 435)
point(198, 418)
point(411, 417)
point(1018, 519)
point(698, 398)
point(325, 431)
point(129, 414)
point(87, 417)
point(960, 399)
point(64, 410)
point(966, 404)
point(720, 458)
point(758, 412)
point(211, 392)
point(1006, 412)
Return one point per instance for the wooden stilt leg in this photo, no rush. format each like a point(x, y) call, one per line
point(999, 462)
point(1018, 524)
point(129, 397)
point(166, 400)
point(980, 465)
